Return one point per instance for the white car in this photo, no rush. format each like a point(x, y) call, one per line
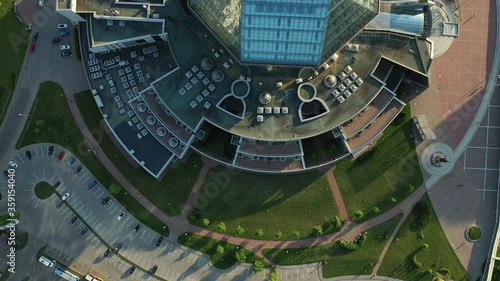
point(120, 216)
point(62, 26)
point(64, 47)
point(41, 2)
point(65, 196)
point(13, 164)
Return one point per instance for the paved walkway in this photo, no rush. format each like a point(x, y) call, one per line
point(338, 196)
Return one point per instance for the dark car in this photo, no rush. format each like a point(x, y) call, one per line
point(108, 251)
point(131, 270)
point(32, 47)
point(73, 220)
point(84, 230)
point(118, 247)
point(51, 150)
point(70, 162)
point(56, 40)
point(154, 269)
point(35, 36)
point(65, 53)
point(105, 200)
point(59, 205)
point(78, 170)
point(60, 157)
point(57, 184)
point(28, 154)
point(159, 241)
point(136, 228)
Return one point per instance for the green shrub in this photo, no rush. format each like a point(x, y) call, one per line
point(318, 230)
point(445, 272)
point(222, 227)
point(205, 222)
point(258, 266)
point(337, 223)
point(415, 263)
point(421, 234)
point(260, 232)
point(273, 276)
point(240, 230)
point(240, 256)
point(425, 246)
point(359, 214)
point(279, 234)
point(423, 215)
point(296, 234)
point(360, 241)
point(393, 200)
point(376, 210)
point(220, 249)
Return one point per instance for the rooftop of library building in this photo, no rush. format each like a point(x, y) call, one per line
point(268, 104)
point(107, 30)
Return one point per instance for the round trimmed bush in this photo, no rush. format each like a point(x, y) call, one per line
point(43, 190)
point(474, 232)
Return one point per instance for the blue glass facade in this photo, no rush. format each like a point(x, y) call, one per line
point(284, 32)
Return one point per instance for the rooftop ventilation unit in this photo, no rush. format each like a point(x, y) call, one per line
point(122, 23)
point(110, 22)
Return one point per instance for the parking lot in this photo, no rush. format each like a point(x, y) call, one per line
point(84, 253)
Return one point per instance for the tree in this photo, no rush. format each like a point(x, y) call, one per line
point(376, 210)
point(258, 266)
point(115, 189)
point(393, 200)
point(260, 232)
point(337, 222)
point(220, 249)
point(240, 230)
point(205, 222)
point(240, 256)
point(318, 230)
point(273, 276)
point(222, 227)
point(279, 234)
point(410, 188)
point(358, 214)
point(296, 234)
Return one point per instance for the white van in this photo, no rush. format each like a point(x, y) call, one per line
point(45, 261)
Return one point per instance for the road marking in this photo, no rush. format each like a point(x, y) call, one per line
point(171, 245)
point(37, 180)
point(99, 188)
point(32, 196)
point(189, 258)
point(162, 270)
point(111, 205)
point(20, 158)
point(36, 151)
point(79, 224)
point(68, 215)
point(145, 239)
point(88, 222)
point(87, 215)
point(88, 236)
point(95, 237)
point(85, 181)
point(105, 234)
point(82, 176)
point(125, 220)
point(100, 194)
point(78, 211)
point(112, 243)
point(94, 224)
point(52, 178)
point(135, 255)
point(152, 236)
point(38, 203)
point(142, 234)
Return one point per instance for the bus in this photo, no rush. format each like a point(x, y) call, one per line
point(93, 277)
point(66, 274)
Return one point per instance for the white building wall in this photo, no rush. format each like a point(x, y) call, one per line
point(125, 43)
point(69, 14)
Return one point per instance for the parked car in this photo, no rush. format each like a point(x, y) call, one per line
point(28, 155)
point(13, 164)
point(78, 170)
point(64, 33)
point(60, 157)
point(65, 196)
point(136, 228)
point(59, 205)
point(131, 270)
point(154, 269)
point(70, 162)
point(107, 252)
point(35, 36)
point(32, 47)
point(121, 215)
point(57, 184)
point(118, 247)
point(62, 26)
point(56, 40)
point(51, 150)
point(92, 184)
point(159, 241)
point(105, 200)
point(40, 3)
point(84, 230)
point(64, 47)
point(73, 220)
point(66, 53)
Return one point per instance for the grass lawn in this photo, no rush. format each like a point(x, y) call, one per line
point(336, 260)
point(3, 218)
point(398, 260)
point(171, 193)
point(59, 127)
point(271, 203)
point(43, 190)
point(382, 173)
point(208, 246)
point(12, 50)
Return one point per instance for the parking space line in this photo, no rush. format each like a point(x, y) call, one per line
point(149, 263)
point(171, 245)
point(67, 215)
point(152, 237)
point(85, 181)
point(88, 215)
point(89, 221)
point(82, 176)
point(94, 224)
point(88, 237)
point(36, 152)
point(52, 178)
point(36, 177)
point(81, 207)
point(135, 255)
point(145, 239)
point(100, 194)
point(96, 190)
point(189, 258)
point(142, 234)
point(20, 158)
point(79, 224)
point(112, 243)
point(126, 219)
point(162, 270)
point(114, 208)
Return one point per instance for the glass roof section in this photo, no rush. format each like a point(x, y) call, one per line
point(284, 31)
point(411, 23)
point(294, 32)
